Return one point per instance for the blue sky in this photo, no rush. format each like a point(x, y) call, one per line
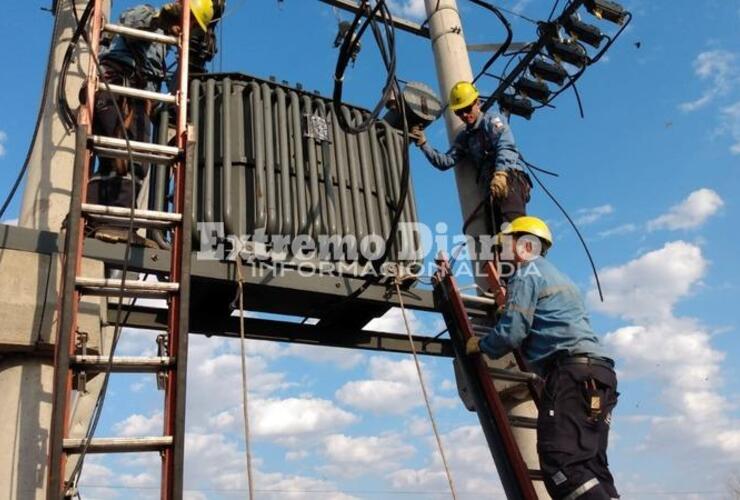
point(652, 175)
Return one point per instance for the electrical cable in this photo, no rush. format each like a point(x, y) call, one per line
point(517, 14)
point(436, 9)
point(65, 112)
point(504, 46)
point(575, 227)
point(350, 43)
point(42, 104)
point(387, 48)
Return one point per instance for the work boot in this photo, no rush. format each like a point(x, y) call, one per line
point(111, 234)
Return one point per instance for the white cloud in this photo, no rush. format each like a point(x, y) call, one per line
point(296, 455)
point(392, 322)
point(674, 351)
point(3, 139)
point(140, 425)
point(719, 68)
point(690, 213)
point(342, 358)
point(355, 456)
point(731, 125)
point(647, 288)
point(393, 389)
point(470, 461)
point(380, 396)
point(619, 230)
point(294, 416)
point(408, 8)
point(279, 487)
point(586, 216)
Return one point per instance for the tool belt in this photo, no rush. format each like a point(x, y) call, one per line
point(583, 359)
point(577, 359)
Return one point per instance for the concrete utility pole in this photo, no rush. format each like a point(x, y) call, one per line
point(29, 295)
point(453, 65)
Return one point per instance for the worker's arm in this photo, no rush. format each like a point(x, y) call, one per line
point(442, 161)
point(502, 139)
point(514, 325)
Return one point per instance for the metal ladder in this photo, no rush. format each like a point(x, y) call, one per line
point(71, 360)
point(487, 384)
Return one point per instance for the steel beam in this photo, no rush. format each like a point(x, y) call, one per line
point(284, 331)
point(401, 24)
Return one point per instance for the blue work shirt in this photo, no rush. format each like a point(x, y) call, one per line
point(147, 58)
point(488, 143)
point(544, 315)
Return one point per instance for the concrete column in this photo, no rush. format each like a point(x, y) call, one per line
point(49, 178)
point(29, 308)
point(453, 65)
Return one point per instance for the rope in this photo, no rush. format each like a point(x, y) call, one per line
point(245, 396)
point(397, 281)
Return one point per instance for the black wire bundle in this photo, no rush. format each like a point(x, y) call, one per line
point(385, 38)
point(63, 106)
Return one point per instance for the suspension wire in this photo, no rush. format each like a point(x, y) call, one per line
point(245, 386)
point(575, 228)
point(504, 46)
point(436, 9)
point(517, 14)
point(397, 283)
point(42, 104)
point(552, 11)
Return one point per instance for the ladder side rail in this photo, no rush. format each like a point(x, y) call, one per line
point(491, 412)
point(174, 411)
point(65, 342)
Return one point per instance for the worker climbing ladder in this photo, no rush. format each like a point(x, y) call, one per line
point(488, 385)
point(71, 361)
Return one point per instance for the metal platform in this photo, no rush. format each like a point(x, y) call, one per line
point(332, 299)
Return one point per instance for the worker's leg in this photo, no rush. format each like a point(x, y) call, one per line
point(570, 439)
point(515, 203)
point(105, 184)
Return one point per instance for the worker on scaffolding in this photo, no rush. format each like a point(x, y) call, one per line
point(546, 317)
point(142, 65)
point(488, 142)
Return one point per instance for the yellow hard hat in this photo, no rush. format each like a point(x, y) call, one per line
point(529, 225)
point(202, 11)
point(462, 95)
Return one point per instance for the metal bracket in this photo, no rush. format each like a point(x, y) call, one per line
point(81, 347)
point(162, 351)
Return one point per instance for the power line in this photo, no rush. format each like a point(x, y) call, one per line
point(374, 492)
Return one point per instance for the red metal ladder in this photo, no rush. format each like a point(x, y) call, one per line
point(70, 359)
point(481, 380)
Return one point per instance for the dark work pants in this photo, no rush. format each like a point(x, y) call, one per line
point(571, 443)
point(111, 183)
point(515, 204)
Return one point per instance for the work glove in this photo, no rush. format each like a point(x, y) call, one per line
point(500, 185)
point(472, 346)
point(417, 135)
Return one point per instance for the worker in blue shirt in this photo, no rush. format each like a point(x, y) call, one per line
point(487, 141)
point(546, 318)
point(140, 64)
